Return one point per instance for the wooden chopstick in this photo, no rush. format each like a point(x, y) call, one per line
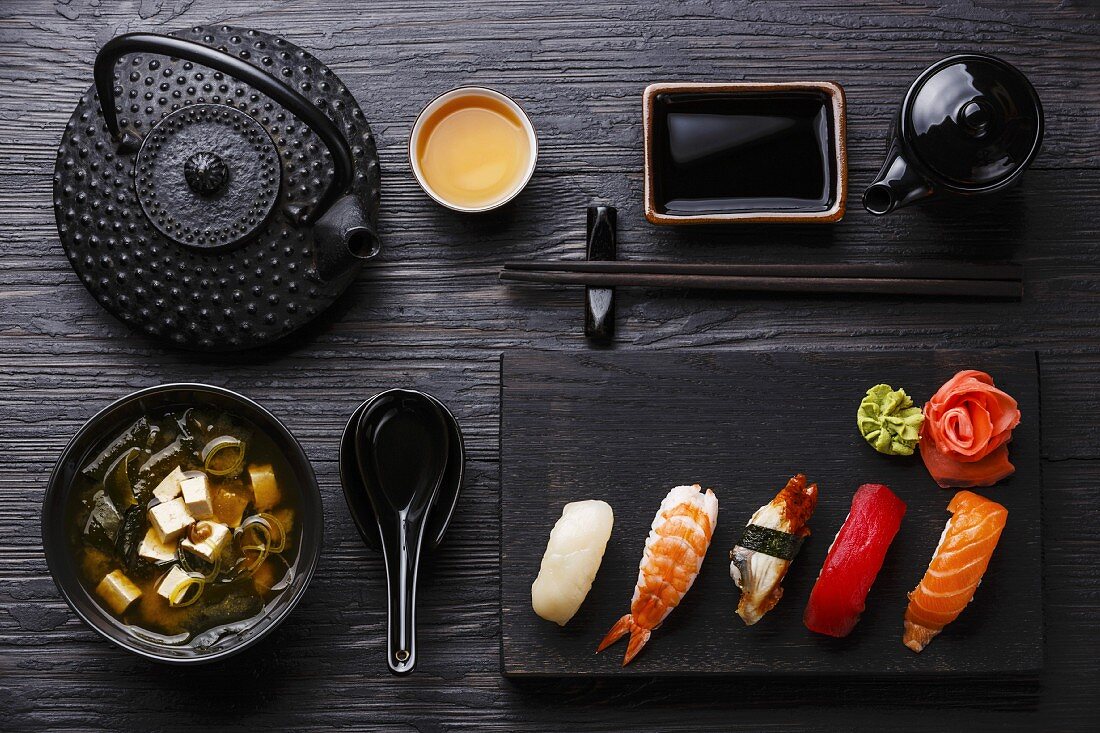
point(889, 270)
point(920, 286)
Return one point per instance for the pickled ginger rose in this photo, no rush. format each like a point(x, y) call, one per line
point(967, 426)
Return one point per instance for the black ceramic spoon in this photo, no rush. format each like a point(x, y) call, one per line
point(356, 495)
point(402, 445)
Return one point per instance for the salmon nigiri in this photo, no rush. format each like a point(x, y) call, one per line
point(960, 560)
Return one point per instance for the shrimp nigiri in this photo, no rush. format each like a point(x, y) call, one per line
point(674, 552)
point(957, 567)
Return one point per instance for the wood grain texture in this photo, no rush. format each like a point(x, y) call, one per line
point(627, 427)
point(430, 314)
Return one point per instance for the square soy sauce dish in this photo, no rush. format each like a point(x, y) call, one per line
point(744, 152)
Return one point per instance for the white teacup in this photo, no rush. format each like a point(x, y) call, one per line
point(473, 149)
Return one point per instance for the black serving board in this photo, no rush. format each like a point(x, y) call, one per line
point(627, 427)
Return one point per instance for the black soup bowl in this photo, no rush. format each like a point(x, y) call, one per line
point(112, 420)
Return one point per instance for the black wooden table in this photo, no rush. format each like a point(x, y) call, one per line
point(431, 314)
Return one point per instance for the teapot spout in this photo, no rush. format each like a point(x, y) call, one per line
point(898, 184)
point(342, 236)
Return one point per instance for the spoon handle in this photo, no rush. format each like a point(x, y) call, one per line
point(402, 561)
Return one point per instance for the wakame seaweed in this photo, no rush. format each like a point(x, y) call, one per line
point(116, 482)
point(101, 528)
point(130, 533)
point(133, 436)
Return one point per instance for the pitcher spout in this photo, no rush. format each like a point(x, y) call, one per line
point(342, 236)
point(898, 184)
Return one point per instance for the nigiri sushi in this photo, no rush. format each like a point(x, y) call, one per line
point(772, 538)
point(572, 558)
point(957, 566)
point(674, 551)
point(853, 562)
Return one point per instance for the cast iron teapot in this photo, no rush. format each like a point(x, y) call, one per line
point(969, 125)
point(217, 187)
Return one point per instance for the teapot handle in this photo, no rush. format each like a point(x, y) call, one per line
point(297, 104)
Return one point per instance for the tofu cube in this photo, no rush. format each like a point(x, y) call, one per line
point(175, 577)
point(170, 519)
point(117, 591)
point(286, 519)
point(169, 488)
point(230, 501)
point(217, 537)
point(152, 548)
point(265, 490)
point(196, 494)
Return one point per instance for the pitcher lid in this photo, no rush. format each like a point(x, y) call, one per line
point(973, 121)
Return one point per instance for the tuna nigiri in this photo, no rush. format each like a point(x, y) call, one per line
point(957, 566)
point(853, 562)
point(674, 551)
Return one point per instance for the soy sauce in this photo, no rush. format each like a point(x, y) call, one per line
point(723, 153)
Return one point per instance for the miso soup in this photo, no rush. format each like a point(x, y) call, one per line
point(184, 526)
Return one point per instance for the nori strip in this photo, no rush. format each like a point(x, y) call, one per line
point(771, 542)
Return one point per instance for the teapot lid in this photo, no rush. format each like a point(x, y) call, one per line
point(973, 121)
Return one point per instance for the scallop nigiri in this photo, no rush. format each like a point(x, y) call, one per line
point(957, 567)
point(572, 558)
point(674, 551)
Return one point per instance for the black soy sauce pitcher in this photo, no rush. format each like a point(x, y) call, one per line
point(969, 125)
point(402, 444)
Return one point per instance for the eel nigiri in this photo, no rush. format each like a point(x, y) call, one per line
point(572, 558)
point(772, 538)
point(853, 562)
point(674, 552)
point(957, 566)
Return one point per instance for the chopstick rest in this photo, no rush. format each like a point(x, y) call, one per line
point(599, 302)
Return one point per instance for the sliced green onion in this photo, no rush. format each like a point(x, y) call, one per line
point(260, 536)
point(181, 596)
point(223, 456)
point(255, 539)
point(275, 528)
point(231, 570)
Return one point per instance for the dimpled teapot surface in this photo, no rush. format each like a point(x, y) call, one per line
point(226, 195)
